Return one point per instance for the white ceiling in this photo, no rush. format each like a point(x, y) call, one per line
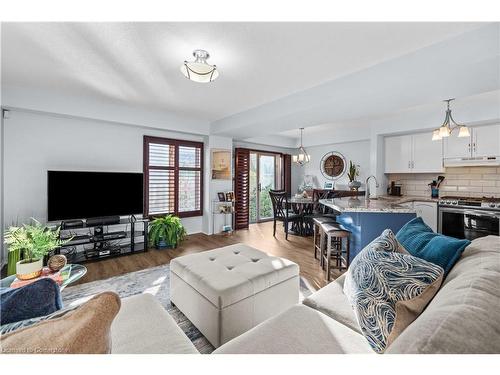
point(137, 64)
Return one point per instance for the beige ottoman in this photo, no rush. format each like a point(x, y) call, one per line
point(227, 291)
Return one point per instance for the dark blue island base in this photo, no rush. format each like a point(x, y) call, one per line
point(366, 226)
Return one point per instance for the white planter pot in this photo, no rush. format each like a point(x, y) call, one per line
point(27, 271)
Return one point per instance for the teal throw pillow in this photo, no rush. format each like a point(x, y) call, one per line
point(419, 240)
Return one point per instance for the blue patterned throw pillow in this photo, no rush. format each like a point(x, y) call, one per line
point(387, 242)
point(388, 290)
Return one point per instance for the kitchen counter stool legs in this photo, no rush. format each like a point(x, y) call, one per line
point(336, 255)
point(319, 242)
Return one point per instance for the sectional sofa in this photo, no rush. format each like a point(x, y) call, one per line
point(463, 317)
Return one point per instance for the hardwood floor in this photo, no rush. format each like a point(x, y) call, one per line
point(297, 249)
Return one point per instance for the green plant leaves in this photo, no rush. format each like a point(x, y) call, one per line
point(168, 228)
point(33, 241)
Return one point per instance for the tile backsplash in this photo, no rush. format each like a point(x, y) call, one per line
point(461, 181)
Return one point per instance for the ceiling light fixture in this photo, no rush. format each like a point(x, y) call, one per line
point(449, 125)
point(302, 157)
point(199, 70)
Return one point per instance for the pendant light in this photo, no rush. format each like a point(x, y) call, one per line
point(449, 125)
point(302, 157)
point(199, 70)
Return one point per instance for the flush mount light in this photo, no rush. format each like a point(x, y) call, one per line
point(449, 125)
point(199, 70)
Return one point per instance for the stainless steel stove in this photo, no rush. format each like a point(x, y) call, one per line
point(467, 217)
point(484, 202)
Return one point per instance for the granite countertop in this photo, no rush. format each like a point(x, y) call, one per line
point(350, 204)
point(407, 198)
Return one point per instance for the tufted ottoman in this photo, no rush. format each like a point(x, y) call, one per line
point(226, 291)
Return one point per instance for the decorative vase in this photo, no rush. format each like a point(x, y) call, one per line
point(354, 185)
point(29, 270)
point(13, 257)
point(57, 262)
point(162, 244)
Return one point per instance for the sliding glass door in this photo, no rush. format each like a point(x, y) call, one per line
point(264, 172)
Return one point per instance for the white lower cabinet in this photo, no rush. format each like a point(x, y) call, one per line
point(428, 212)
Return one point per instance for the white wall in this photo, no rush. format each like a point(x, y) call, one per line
point(55, 101)
point(358, 152)
point(37, 142)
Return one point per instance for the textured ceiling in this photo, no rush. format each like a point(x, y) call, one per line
point(137, 64)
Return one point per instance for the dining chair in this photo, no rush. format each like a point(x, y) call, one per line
point(319, 209)
point(279, 199)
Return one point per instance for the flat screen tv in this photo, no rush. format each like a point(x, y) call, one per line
point(82, 195)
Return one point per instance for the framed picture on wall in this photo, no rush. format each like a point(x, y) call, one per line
point(221, 164)
point(230, 196)
point(222, 196)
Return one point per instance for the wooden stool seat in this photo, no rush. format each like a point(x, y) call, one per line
point(323, 219)
point(318, 235)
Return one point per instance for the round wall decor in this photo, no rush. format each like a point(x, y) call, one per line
point(333, 165)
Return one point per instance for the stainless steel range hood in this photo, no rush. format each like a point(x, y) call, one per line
point(483, 161)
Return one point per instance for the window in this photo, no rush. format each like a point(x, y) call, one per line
point(173, 177)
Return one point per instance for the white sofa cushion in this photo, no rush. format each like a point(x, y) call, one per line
point(464, 316)
point(298, 330)
point(229, 274)
point(332, 301)
point(143, 326)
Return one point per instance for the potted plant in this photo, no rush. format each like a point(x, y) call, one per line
point(166, 232)
point(352, 174)
point(32, 243)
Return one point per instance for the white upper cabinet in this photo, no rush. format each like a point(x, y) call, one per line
point(427, 154)
point(483, 141)
point(486, 141)
point(415, 153)
point(398, 154)
point(455, 147)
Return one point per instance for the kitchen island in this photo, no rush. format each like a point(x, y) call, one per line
point(368, 218)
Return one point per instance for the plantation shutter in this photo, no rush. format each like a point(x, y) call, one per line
point(190, 177)
point(287, 174)
point(173, 177)
point(242, 187)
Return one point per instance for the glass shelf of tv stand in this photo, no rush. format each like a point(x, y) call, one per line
point(123, 221)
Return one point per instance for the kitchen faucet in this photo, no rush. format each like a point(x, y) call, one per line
point(367, 193)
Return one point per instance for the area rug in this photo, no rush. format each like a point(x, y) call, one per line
point(154, 281)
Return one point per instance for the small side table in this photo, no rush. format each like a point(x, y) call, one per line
point(228, 207)
point(76, 272)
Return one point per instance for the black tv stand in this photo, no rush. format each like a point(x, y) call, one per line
point(91, 242)
point(103, 220)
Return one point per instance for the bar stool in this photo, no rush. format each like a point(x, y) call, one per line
point(335, 251)
point(319, 236)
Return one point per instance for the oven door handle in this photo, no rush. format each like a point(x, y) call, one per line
point(470, 212)
point(482, 213)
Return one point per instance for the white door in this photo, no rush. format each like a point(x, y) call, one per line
point(455, 147)
point(398, 154)
point(486, 141)
point(428, 212)
point(427, 154)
